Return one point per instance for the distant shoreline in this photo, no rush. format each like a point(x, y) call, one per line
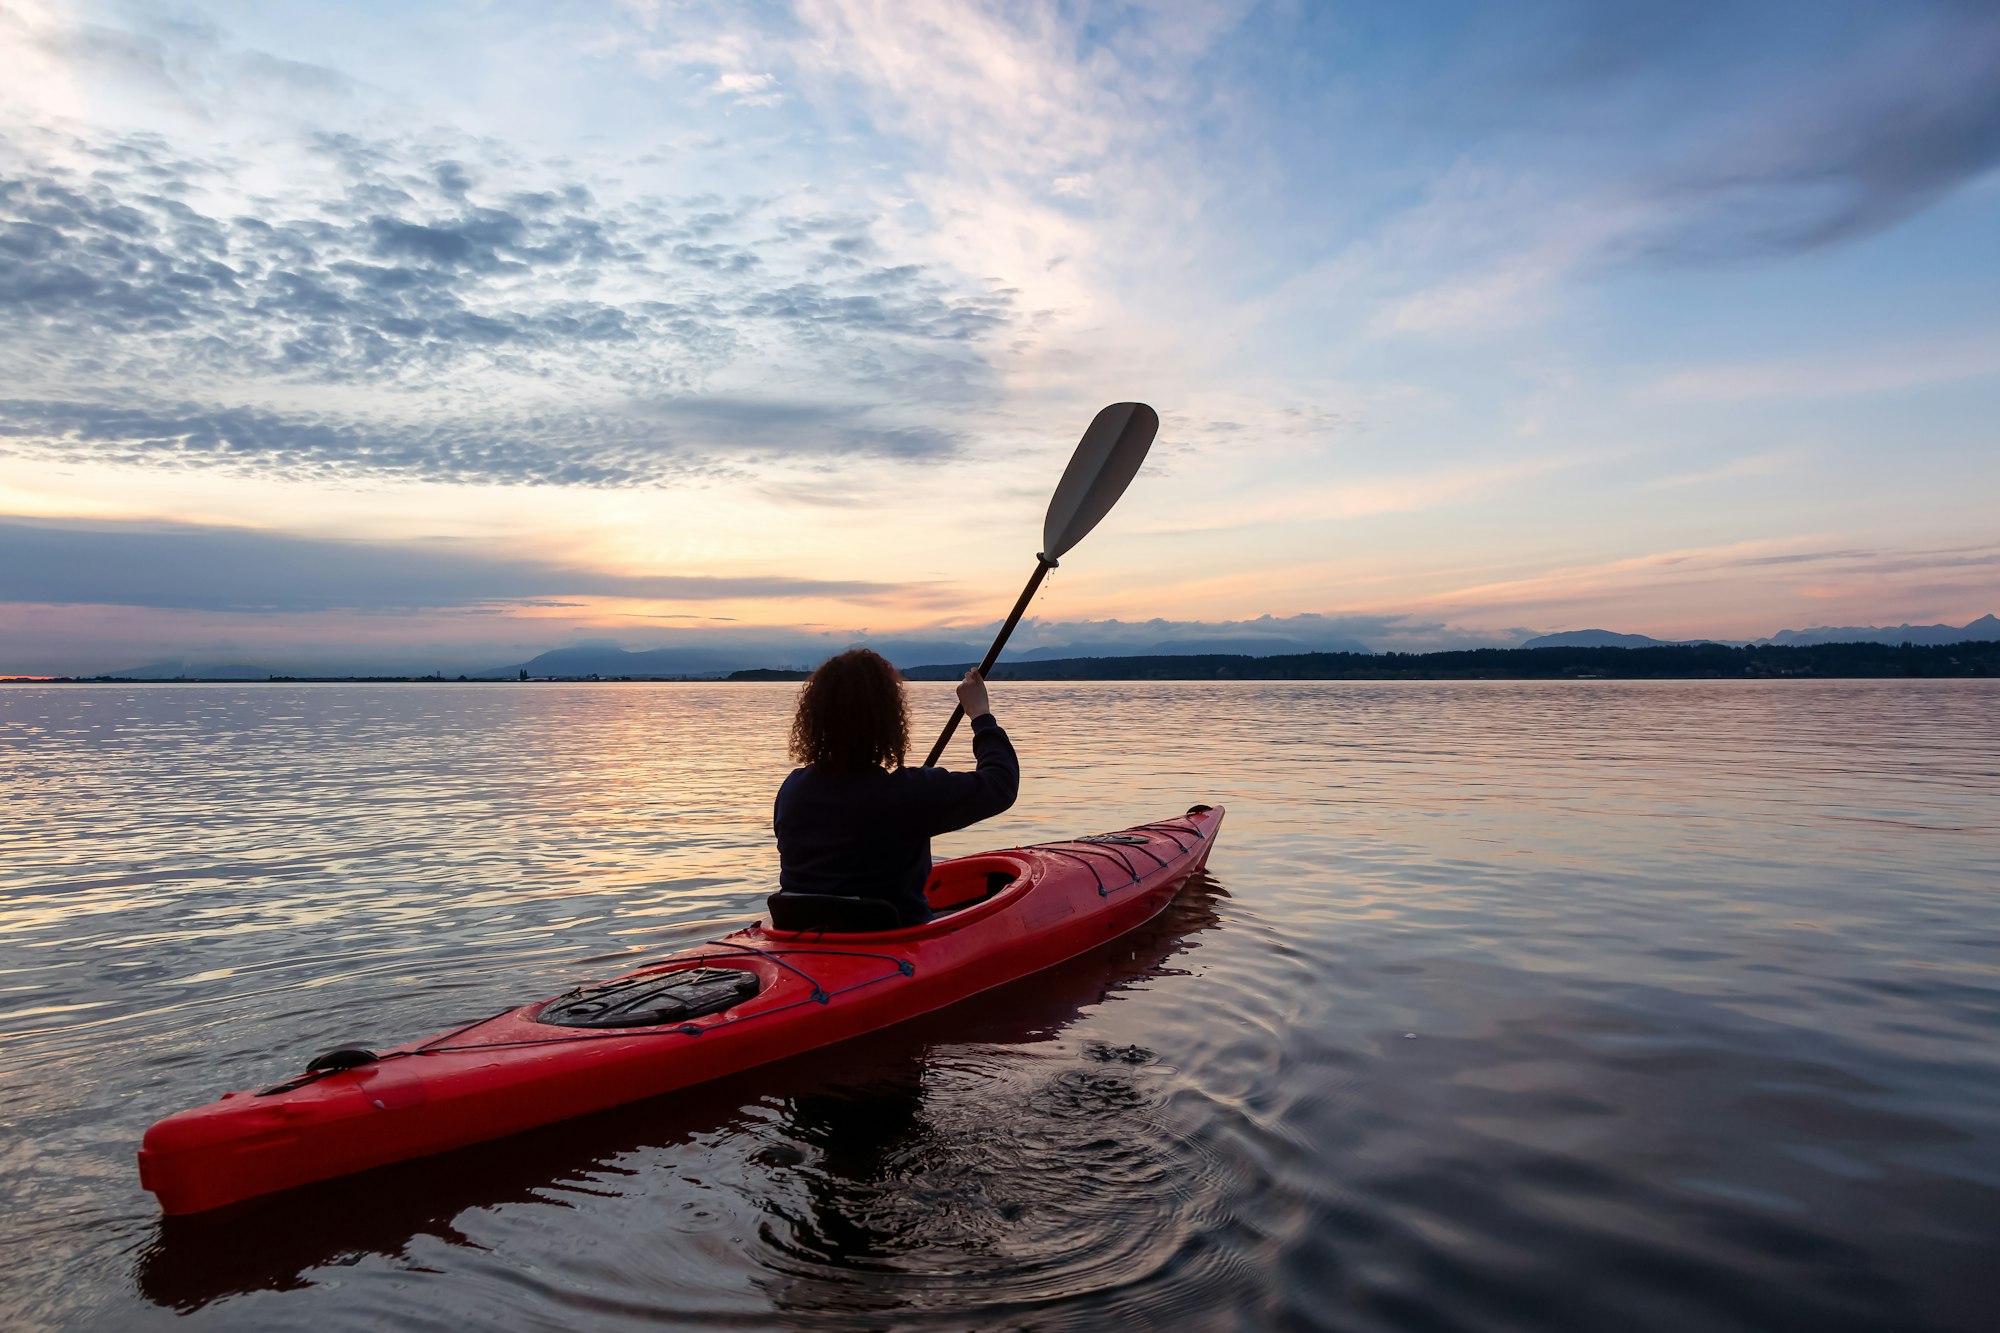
point(1828, 661)
point(1702, 661)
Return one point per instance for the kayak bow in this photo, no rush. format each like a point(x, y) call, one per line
point(758, 995)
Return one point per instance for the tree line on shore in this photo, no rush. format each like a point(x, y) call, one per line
point(1695, 661)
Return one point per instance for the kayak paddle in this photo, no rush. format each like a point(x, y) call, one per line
point(1105, 461)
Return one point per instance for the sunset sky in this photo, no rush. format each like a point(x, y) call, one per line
point(445, 334)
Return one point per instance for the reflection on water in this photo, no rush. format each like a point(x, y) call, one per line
point(1539, 1005)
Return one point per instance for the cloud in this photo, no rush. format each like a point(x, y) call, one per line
point(1048, 145)
point(195, 567)
point(445, 319)
point(405, 270)
point(1710, 590)
point(1767, 129)
point(643, 444)
point(773, 425)
point(725, 59)
point(1883, 131)
point(1765, 463)
point(1878, 369)
point(181, 61)
point(303, 447)
point(1364, 496)
point(1693, 135)
point(1260, 636)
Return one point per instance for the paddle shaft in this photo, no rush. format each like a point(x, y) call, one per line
point(1042, 567)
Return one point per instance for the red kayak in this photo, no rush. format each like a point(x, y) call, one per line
point(759, 995)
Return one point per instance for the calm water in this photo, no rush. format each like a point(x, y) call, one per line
point(1595, 1005)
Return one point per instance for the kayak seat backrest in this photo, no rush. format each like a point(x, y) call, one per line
point(837, 914)
point(832, 913)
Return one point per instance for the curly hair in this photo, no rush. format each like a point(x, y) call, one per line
point(852, 714)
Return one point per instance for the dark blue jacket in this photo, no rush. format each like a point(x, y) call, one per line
point(868, 834)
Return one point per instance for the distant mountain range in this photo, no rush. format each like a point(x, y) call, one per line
point(1604, 638)
point(1983, 630)
point(610, 659)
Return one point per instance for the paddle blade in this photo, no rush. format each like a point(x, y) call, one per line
point(1105, 461)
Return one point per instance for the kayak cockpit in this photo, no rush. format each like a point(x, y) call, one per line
point(954, 886)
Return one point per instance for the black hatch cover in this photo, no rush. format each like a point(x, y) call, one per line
point(651, 1000)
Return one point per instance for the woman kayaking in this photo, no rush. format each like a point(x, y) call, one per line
point(854, 822)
